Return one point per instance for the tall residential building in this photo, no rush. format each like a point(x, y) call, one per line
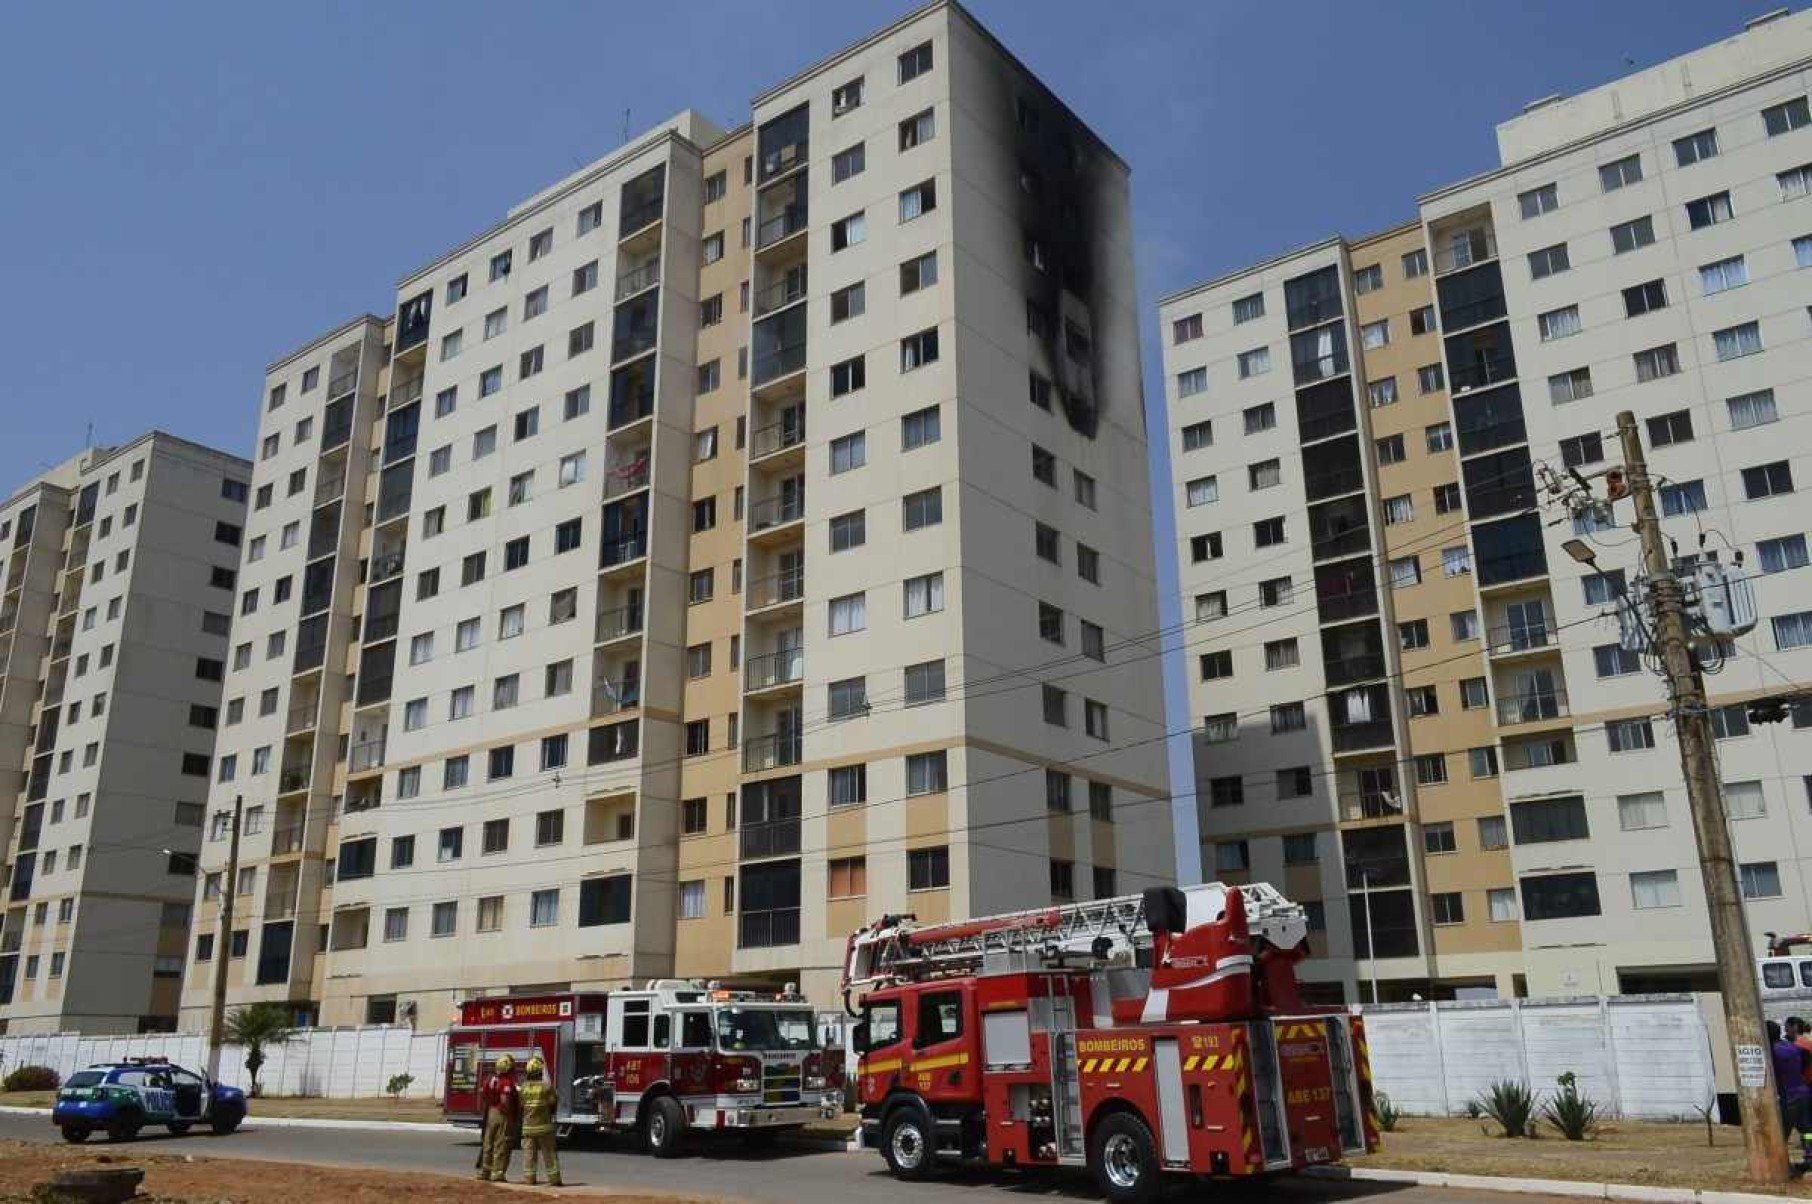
point(1416, 715)
point(116, 589)
point(747, 537)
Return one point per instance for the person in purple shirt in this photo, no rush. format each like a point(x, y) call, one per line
point(1790, 1062)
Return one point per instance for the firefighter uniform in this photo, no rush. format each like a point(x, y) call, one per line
point(538, 1099)
point(502, 1119)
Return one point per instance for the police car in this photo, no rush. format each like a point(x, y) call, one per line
point(121, 1098)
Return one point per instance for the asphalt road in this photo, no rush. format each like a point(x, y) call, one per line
point(784, 1176)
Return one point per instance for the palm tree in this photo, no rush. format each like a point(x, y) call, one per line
point(255, 1026)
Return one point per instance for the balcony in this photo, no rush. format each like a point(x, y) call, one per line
point(634, 281)
point(1481, 372)
point(776, 589)
point(383, 568)
point(366, 755)
point(781, 293)
point(1362, 737)
point(407, 393)
point(412, 318)
point(343, 383)
point(1344, 670)
point(772, 752)
point(777, 437)
point(623, 550)
point(775, 512)
point(329, 488)
point(1532, 707)
point(785, 157)
point(621, 623)
point(301, 716)
point(286, 840)
point(290, 781)
point(1370, 804)
point(773, 670)
point(1464, 248)
point(1513, 638)
point(626, 479)
point(780, 362)
point(611, 696)
point(783, 225)
point(774, 838)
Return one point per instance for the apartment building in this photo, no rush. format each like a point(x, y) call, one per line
point(116, 588)
point(746, 537)
point(1474, 788)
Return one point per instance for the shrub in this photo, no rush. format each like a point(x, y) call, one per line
point(1512, 1105)
point(1388, 1116)
point(31, 1078)
point(398, 1084)
point(1573, 1114)
point(1474, 1110)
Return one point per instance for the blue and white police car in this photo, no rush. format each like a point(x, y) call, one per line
point(120, 1098)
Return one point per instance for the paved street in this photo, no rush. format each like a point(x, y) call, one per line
point(721, 1170)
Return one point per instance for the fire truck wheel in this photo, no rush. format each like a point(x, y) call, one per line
point(1125, 1160)
point(906, 1143)
point(665, 1127)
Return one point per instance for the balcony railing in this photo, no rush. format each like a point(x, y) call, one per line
point(1464, 249)
point(771, 752)
point(291, 780)
point(620, 481)
point(330, 487)
point(777, 437)
point(1521, 637)
point(1370, 804)
point(785, 224)
point(608, 696)
point(1355, 736)
point(345, 382)
point(1344, 670)
point(408, 392)
point(302, 716)
point(1533, 707)
point(774, 669)
point(287, 839)
point(783, 159)
point(775, 838)
point(366, 754)
point(624, 411)
point(782, 361)
point(336, 432)
point(632, 282)
point(624, 549)
point(768, 929)
point(645, 214)
point(782, 293)
point(1473, 313)
point(632, 342)
point(618, 623)
point(776, 511)
point(384, 567)
point(1485, 370)
point(788, 585)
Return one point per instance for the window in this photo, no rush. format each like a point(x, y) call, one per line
point(1538, 201)
point(1256, 362)
point(1205, 547)
point(1430, 378)
point(846, 98)
point(1260, 418)
point(919, 428)
point(1668, 429)
point(1684, 497)
point(926, 773)
point(1264, 474)
point(1751, 409)
point(1734, 342)
point(1786, 552)
point(918, 129)
point(1056, 706)
point(848, 376)
point(1381, 393)
point(1760, 879)
point(1440, 438)
point(1189, 329)
point(1415, 264)
point(1267, 532)
point(1785, 117)
point(1767, 480)
point(923, 509)
point(1390, 449)
point(1405, 571)
point(1373, 335)
point(848, 698)
point(917, 273)
point(1039, 389)
point(1559, 323)
point(918, 200)
point(1708, 211)
point(701, 586)
point(1285, 717)
point(1613, 660)
point(1277, 591)
point(1046, 543)
point(917, 350)
point(1744, 800)
point(849, 231)
point(1723, 275)
point(1629, 236)
point(915, 62)
point(849, 452)
point(1548, 261)
point(1192, 382)
point(848, 785)
point(1802, 251)
point(848, 531)
point(923, 595)
point(1084, 488)
point(1446, 907)
point(1620, 174)
point(848, 614)
point(1640, 299)
point(1211, 606)
point(1446, 498)
point(1231, 856)
point(1629, 735)
point(1368, 279)
point(1422, 701)
point(1215, 665)
point(1281, 654)
point(1413, 634)
point(1050, 623)
point(848, 163)
point(847, 303)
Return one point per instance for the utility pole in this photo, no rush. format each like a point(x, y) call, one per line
point(1762, 1134)
point(223, 944)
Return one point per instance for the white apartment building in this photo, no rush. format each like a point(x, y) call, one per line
point(116, 586)
point(1643, 246)
point(747, 537)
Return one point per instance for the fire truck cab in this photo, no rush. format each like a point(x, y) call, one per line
point(662, 1060)
point(1140, 1037)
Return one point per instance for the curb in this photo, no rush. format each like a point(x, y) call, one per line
point(1545, 1187)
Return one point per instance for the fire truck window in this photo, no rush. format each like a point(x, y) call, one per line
point(940, 1018)
point(883, 1024)
point(695, 1030)
point(1777, 974)
point(663, 1029)
point(635, 1030)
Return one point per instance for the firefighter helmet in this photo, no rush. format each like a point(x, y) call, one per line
point(505, 1064)
point(535, 1066)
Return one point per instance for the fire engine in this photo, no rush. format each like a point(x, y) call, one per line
point(663, 1060)
point(1140, 1036)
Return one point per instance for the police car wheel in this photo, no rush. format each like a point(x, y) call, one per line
point(179, 1127)
point(222, 1125)
point(665, 1127)
point(125, 1126)
point(76, 1134)
point(1125, 1160)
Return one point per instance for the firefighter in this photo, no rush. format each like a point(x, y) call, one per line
point(502, 1118)
point(538, 1099)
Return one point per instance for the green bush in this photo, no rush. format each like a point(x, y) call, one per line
point(1574, 1115)
point(1388, 1116)
point(398, 1084)
point(1512, 1105)
point(31, 1078)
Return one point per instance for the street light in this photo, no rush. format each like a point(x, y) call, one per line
point(1371, 947)
point(1581, 551)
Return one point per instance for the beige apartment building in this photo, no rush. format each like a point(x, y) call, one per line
point(116, 592)
point(1415, 712)
point(747, 537)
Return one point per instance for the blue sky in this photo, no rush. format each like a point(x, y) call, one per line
point(191, 190)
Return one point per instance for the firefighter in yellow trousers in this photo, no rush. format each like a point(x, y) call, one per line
point(538, 1099)
point(502, 1113)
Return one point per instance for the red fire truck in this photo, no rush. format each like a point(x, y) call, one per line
point(1141, 1036)
point(662, 1060)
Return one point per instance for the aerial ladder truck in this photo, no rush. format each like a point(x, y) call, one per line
point(1143, 1037)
